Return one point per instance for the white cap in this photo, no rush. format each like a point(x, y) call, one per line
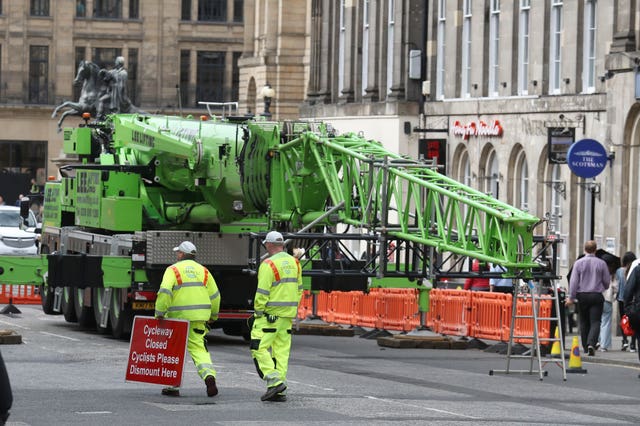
point(274, 237)
point(186, 247)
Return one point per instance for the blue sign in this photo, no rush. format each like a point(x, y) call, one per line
point(587, 158)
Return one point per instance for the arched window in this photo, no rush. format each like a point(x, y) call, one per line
point(492, 175)
point(522, 182)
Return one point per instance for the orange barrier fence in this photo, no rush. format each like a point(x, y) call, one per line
point(19, 294)
point(482, 315)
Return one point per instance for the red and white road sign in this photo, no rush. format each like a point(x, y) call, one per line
point(156, 351)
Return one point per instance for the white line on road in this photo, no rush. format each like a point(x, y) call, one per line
point(94, 412)
point(298, 383)
point(424, 408)
point(59, 335)
point(14, 325)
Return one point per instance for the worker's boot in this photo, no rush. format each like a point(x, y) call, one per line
point(212, 389)
point(273, 391)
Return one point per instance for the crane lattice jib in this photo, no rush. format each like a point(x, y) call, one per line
point(398, 197)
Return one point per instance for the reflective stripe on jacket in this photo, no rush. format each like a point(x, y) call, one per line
point(188, 291)
point(279, 286)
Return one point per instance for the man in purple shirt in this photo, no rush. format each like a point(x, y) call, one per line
point(589, 278)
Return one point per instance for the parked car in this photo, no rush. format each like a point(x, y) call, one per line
point(17, 237)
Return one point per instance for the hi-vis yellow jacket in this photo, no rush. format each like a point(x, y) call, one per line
point(188, 291)
point(279, 286)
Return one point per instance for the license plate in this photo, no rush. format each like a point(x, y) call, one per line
point(147, 306)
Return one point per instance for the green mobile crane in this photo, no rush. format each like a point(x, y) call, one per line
point(135, 186)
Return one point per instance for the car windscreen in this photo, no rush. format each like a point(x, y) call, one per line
point(13, 219)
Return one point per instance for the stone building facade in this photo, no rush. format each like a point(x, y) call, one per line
point(495, 82)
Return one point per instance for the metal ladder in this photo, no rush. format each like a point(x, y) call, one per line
point(533, 292)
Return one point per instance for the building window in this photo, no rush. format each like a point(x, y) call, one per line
point(466, 49)
point(494, 48)
point(39, 7)
point(134, 9)
point(555, 60)
point(589, 48)
point(107, 9)
point(390, 43)
point(556, 206)
point(365, 46)
point(186, 10)
point(210, 77)
point(185, 71)
point(440, 54)
point(522, 192)
point(212, 10)
point(38, 74)
point(235, 77)
point(465, 169)
point(238, 10)
point(341, 48)
point(81, 8)
point(104, 57)
point(132, 75)
point(523, 47)
point(492, 175)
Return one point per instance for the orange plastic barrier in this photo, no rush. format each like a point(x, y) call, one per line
point(453, 312)
point(19, 294)
point(367, 313)
point(399, 313)
point(482, 315)
point(488, 311)
point(305, 307)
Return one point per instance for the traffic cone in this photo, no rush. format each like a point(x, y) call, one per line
point(575, 362)
point(555, 348)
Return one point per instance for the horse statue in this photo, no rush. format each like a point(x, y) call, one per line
point(93, 87)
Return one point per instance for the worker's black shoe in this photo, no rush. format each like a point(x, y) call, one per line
point(212, 389)
point(171, 392)
point(273, 391)
point(280, 397)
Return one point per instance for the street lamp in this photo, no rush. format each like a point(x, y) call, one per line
point(267, 93)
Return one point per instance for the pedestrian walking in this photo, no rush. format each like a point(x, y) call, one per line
point(589, 278)
point(500, 285)
point(632, 300)
point(477, 283)
point(275, 306)
point(188, 291)
point(609, 295)
point(621, 275)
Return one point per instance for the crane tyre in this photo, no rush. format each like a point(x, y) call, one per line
point(83, 313)
point(67, 304)
point(97, 296)
point(120, 314)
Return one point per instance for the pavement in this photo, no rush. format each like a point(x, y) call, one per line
point(614, 355)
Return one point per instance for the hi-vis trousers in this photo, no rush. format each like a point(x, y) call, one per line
point(270, 348)
point(197, 347)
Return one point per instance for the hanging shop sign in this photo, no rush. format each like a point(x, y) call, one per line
point(477, 128)
point(587, 158)
point(559, 139)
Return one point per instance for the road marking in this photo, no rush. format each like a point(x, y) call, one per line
point(298, 383)
point(424, 408)
point(311, 386)
point(61, 336)
point(14, 325)
point(94, 412)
